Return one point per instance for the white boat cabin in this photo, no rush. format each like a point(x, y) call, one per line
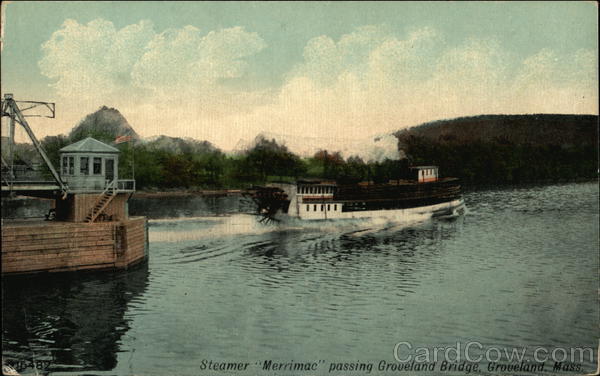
point(425, 174)
point(312, 199)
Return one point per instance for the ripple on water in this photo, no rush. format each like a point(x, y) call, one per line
point(519, 269)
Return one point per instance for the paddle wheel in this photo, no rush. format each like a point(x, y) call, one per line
point(269, 201)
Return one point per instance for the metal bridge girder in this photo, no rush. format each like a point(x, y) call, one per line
point(11, 109)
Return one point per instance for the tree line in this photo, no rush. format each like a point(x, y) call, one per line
point(156, 168)
point(477, 162)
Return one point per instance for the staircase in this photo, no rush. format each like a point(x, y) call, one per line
point(105, 198)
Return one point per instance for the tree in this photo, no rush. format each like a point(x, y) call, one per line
point(267, 157)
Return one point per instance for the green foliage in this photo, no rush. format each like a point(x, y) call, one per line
point(267, 157)
point(52, 144)
point(479, 150)
point(494, 162)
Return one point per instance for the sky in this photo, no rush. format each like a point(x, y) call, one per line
point(226, 71)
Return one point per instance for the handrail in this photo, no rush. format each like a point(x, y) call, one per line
point(108, 186)
point(126, 184)
point(94, 214)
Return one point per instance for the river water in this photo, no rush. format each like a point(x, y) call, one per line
point(519, 270)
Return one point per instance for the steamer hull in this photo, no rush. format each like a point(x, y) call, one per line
point(400, 200)
point(446, 209)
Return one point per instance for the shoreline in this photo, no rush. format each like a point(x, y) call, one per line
point(235, 192)
point(238, 192)
point(188, 193)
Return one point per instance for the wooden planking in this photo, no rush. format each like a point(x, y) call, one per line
point(54, 229)
point(46, 262)
point(72, 246)
point(53, 237)
point(133, 242)
point(65, 242)
point(58, 247)
point(37, 249)
point(105, 254)
point(54, 262)
point(76, 207)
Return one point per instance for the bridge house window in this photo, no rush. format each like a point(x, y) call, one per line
point(315, 208)
point(307, 207)
point(65, 165)
point(68, 165)
point(84, 166)
point(71, 165)
point(97, 166)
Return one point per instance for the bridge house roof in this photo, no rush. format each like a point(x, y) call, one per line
point(89, 145)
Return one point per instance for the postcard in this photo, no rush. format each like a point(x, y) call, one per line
point(346, 188)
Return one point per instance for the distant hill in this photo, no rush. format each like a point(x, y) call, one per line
point(178, 145)
point(539, 129)
point(499, 149)
point(105, 125)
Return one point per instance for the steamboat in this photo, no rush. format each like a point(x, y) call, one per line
point(423, 193)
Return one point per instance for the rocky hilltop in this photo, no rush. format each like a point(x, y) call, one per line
point(105, 125)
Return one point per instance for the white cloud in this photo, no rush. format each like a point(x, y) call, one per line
point(179, 59)
point(370, 81)
point(94, 59)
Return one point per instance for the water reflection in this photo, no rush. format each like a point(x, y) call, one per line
point(184, 206)
point(68, 322)
point(396, 252)
point(509, 273)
